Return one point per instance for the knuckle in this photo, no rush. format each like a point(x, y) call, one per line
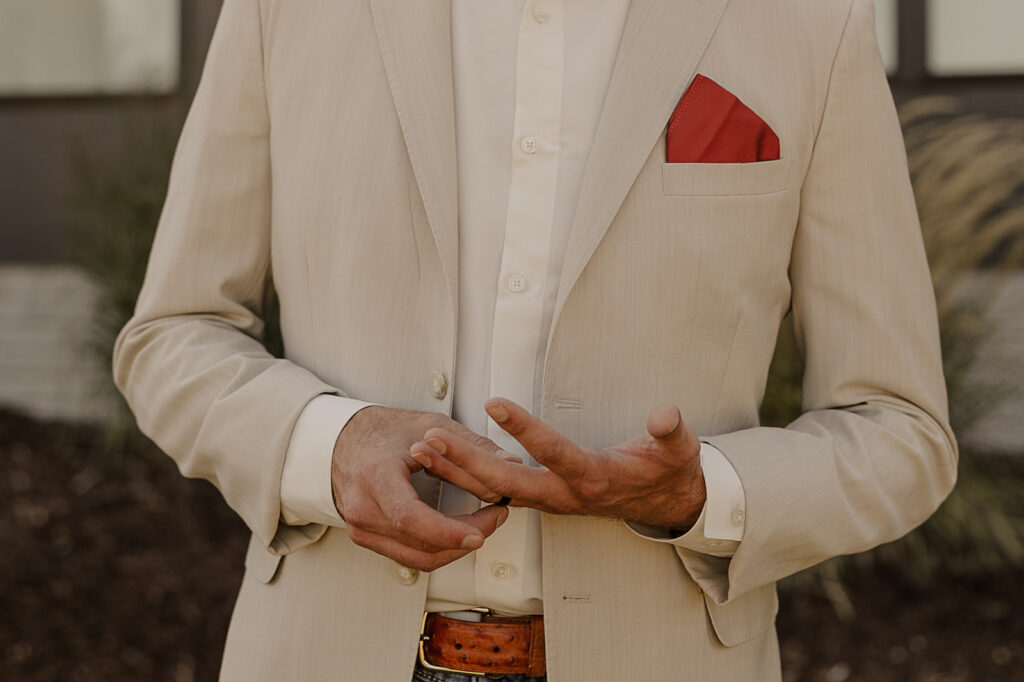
point(435, 421)
point(485, 443)
point(553, 444)
point(574, 506)
point(359, 537)
point(593, 488)
point(401, 520)
point(501, 488)
point(380, 478)
point(420, 563)
point(365, 478)
point(357, 514)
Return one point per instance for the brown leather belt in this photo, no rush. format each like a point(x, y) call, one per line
point(494, 646)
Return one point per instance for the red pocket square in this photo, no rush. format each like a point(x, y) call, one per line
point(710, 125)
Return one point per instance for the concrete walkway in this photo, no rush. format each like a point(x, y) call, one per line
point(45, 315)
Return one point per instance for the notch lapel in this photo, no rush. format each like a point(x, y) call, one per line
point(415, 43)
point(662, 42)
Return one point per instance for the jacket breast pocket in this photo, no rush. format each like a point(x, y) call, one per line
point(725, 179)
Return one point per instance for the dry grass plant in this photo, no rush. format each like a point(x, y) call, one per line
point(968, 175)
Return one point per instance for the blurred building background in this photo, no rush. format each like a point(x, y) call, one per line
point(73, 75)
point(76, 74)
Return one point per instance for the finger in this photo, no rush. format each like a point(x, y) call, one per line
point(443, 537)
point(486, 520)
point(665, 424)
point(663, 421)
point(547, 446)
point(414, 523)
point(444, 469)
point(482, 442)
point(525, 485)
point(403, 554)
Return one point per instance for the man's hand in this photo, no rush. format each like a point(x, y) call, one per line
point(654, 479)
point(370, 478)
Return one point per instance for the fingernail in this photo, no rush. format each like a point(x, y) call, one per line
point(502, 518)
point(498, 412)
point(438, 445)
point(422, 458)
point(472, 542)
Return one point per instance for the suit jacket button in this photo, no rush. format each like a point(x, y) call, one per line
point(439, 385)
point(403, 574)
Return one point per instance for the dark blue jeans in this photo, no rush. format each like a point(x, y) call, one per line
point(421, 674)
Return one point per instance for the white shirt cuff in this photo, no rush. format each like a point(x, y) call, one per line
point(306, 492)
point(722, 521)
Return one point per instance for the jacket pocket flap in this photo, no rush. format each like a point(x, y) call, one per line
point(743, 618)
point(259, 563)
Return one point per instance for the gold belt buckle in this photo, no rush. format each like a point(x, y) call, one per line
point(438, 668)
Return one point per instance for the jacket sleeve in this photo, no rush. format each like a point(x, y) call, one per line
point(190, 362)
point(873, 454)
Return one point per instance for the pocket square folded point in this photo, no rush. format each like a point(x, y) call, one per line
point(711, 125)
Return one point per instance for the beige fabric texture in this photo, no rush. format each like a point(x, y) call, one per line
point(318, 161)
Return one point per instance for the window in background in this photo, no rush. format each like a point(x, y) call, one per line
point(980, 38)
point(89, 47)
point(886, 23)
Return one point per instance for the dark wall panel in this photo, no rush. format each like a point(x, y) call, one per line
point(39, 136)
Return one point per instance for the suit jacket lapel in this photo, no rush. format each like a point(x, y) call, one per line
point(661, 44)
point(415, 42)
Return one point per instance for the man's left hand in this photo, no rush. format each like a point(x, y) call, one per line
point(654, 479)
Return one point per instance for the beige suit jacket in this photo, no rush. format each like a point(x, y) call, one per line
point(318, 161)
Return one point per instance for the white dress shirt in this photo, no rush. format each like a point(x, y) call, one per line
point(530, 77)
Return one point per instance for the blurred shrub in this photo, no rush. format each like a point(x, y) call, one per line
point(115, 209)
point(969, 186)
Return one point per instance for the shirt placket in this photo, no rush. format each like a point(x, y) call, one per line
point(519, 304)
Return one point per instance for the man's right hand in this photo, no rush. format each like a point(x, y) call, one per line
point(370, 478)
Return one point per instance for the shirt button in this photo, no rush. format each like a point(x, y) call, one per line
point(541, 15)
point(517, 284)
point(529, 145)
point(712, 543)
point(439, 385)
point(403, 575)
point(737, 517)
point(501, 571)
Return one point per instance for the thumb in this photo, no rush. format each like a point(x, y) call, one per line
point(665, 424)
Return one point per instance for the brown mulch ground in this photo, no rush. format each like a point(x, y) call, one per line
point(115, 568)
